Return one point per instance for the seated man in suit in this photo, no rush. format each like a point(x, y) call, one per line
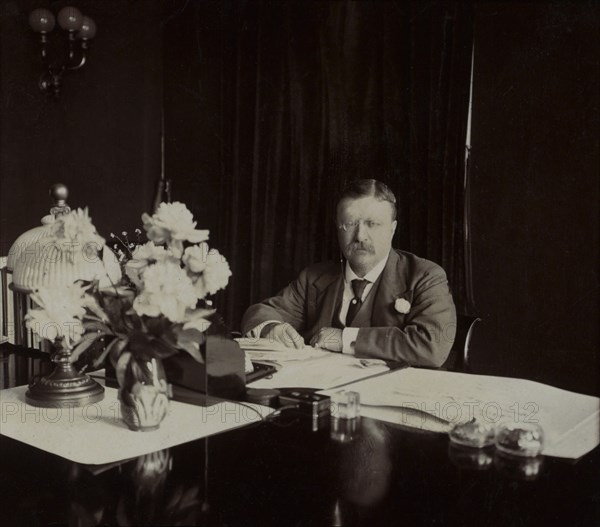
point(380, 302)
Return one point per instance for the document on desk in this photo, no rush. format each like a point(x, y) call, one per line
point(571, 421)
point(307, 367)
point(267, 350)
point(95, 434)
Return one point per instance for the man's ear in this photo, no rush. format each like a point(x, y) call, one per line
point(394, 225)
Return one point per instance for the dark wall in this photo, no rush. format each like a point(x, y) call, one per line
point(535, 199)
point(102, 138)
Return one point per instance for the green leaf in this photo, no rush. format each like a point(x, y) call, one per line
point(144, 346)
point(115, 309)
point(169, 337)
point(94, 325)
point(115, 345)
point(86, 341)
point(161, 350)
point(139, 370)
point(190, 340)
point(93, 318)
point(157, 325)
point(92, 306)
point(121, 367)
point(192, 350)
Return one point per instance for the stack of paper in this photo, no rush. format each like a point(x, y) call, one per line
point(329, 370)
point(571, 421)
point(266, 349)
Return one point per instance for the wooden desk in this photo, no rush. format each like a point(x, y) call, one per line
point(284, 473)
point(287, 474)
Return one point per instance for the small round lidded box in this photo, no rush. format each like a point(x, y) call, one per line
point(473, 434)
point(520, 439)
point(517, 439)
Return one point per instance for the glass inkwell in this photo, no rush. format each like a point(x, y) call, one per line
point(471, 445)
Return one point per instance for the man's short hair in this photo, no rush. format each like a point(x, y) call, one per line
point(365, 188)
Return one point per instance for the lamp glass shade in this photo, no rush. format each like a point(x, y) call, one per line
point(70, 18)
point(41, 20)
point(88, 29)
point(16, 253)
point(47, 262)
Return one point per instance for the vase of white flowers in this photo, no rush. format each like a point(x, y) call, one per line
point(157, 308)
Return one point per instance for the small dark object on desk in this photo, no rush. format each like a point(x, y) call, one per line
point(263, 396)
point(260, 370)
point(309, 403)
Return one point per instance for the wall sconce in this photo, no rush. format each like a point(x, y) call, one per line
point(80, 30)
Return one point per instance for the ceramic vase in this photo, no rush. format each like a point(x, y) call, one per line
point(143, 394)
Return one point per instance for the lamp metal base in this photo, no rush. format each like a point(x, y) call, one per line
point(65, 387)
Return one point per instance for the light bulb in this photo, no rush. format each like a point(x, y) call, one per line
point(88, 29)
point(41, 20)
point(70, 18)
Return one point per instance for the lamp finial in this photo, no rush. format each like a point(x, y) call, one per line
point(59, 194)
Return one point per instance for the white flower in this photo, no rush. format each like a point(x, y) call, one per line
point(167, 290)
point(111, 265)
point(59, 313)
point(402, 305)
point(195, 257)
point(79, 233)
point(150, 252)
point(143, 256)
point(173, 224)
point(215, 271)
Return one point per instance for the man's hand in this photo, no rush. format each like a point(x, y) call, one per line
point(329, 339)
point(283, 333)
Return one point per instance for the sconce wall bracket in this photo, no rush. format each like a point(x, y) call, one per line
point(80, 30)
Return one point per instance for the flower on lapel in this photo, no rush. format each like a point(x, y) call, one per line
point(401, 305)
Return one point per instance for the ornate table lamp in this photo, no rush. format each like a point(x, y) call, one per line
point(37, 260)
point(30, 240)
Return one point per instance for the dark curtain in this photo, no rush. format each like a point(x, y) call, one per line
point(306, 96)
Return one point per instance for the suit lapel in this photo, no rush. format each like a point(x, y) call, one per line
point(392, 285)
point(329, 289)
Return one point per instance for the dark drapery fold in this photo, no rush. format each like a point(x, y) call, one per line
point(434, 217)
point(313, 94)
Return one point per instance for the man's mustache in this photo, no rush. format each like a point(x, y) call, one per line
point(351, 247)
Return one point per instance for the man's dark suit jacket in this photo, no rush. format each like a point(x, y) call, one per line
point(421, 337)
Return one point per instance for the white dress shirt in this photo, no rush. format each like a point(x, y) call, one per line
point(349, 335)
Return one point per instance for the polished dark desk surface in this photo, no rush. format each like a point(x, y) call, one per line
point(287, 474)
point(284, 473)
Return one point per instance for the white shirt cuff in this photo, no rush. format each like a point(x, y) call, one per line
point(254, 333)
point(349, 336)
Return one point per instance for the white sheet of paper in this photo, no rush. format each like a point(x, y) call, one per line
point(94, 434)
point(327, 370)
point(283, 357)
point(262, 344)
point(266, 349)
point(571, 421)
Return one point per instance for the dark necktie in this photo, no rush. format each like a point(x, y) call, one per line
point(358, 286)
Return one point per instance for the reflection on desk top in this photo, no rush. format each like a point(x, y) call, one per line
point(354, 472)
point(361, 472)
